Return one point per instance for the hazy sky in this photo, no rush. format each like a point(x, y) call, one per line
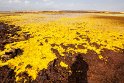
point(112, 5)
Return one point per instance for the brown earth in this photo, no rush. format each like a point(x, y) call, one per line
point(7, 75)
point(8, 34)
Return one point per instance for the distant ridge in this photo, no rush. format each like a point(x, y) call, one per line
point(63, 11)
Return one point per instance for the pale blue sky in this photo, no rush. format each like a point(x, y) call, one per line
point(109, 5)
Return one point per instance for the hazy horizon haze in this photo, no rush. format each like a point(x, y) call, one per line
point(40, 5)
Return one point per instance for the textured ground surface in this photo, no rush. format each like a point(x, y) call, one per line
point(61, 48)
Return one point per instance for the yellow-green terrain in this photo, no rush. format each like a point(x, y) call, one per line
point(65, 32)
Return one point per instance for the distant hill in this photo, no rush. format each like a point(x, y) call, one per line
point(63, 11)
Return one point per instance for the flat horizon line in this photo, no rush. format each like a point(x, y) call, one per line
point(66, 11)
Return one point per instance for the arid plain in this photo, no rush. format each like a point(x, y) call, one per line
point(42, 46)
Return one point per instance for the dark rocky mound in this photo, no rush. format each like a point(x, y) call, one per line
point(86, 68)
point(8, 34)
point(11, 54)
point(7, 75)
point(24, 78)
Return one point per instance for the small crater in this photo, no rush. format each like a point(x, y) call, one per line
point(53, 45)
point(77, 33)
point(77, 39)
point(46, 40)
point(41, 43)
point(43, 58)
point(28, 66)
